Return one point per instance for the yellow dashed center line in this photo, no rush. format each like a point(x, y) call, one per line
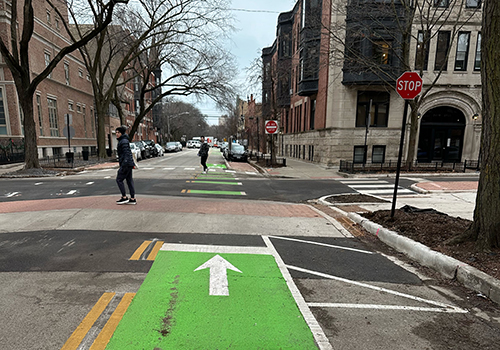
point(140, 250)
point(155, 250)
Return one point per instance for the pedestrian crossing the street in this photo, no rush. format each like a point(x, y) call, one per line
point(375, 187)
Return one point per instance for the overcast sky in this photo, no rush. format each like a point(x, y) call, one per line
point(256, 28)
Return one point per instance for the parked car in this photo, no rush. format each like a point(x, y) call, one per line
point(160, 150)
point(144, 151)
point(152, 148)
point(179, 146)
point(223, 146)
point(136, 151)
point(171, 147)
point(237, 152)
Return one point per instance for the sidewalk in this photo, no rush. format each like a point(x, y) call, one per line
point(301, 169)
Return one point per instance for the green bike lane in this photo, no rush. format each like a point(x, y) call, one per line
point(215, 298)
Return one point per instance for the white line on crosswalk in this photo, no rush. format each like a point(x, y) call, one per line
point(189, 168)
point(168, 168)
point(11, 194)
point(38, 183)
point(400, 191)
point(372, 186)
point(354, 182)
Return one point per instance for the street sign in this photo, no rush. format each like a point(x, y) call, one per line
point(409, 85)
point(69, 132)
point(271, 127)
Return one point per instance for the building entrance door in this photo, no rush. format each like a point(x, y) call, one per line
point(441, 135)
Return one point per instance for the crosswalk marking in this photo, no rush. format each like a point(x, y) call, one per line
point(11, 194)
point(375, 187)
point(230, 193)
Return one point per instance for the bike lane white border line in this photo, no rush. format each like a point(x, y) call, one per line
point(319, 336)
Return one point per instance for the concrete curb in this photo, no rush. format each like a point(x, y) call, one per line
point(449, 267)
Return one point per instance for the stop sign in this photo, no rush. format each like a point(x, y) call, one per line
point(409, 85)
point(271, 127)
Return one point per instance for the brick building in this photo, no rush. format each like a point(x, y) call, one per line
point(66, 91)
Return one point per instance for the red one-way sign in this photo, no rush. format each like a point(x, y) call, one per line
point(271, 127)
point(409, 85)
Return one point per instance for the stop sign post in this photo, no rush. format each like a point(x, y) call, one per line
point(271, 127)
point(408, 86)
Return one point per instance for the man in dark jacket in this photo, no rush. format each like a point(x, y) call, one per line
point(203, 153)
point(126, 161)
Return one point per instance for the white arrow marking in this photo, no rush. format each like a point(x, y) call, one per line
point(218, 274)
point(11, 194)
point(71, 192)
point(38, 183)
point(89, 183)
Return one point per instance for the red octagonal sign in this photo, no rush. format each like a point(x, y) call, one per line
point(409, 85)
point(271, 127)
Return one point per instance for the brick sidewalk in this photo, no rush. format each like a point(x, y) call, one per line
point(159, 205)
point(449, 186)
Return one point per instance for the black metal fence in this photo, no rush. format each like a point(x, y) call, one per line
point(390, 166)
point(260, 158)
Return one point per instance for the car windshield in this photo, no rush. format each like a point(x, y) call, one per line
point(171, 144)
point(237, 148)
point(132, 146)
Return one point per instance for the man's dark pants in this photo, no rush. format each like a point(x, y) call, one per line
point(204, 162)
point(125, 173)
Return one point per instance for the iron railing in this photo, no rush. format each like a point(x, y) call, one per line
point(390, 166)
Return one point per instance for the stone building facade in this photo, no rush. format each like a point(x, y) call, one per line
point(363, 113)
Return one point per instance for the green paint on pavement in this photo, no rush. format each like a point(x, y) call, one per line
point(231, 193)
point(219, 166)
point(173, 308)
point(216, 182)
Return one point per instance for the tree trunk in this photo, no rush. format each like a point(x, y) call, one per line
point(486, 226)
point(101, 131)
point(30, 144)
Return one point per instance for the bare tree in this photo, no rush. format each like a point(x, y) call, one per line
point(15, 49)
point(183, 38)
point(485, 229)
point(373, 43)
point(180, 118)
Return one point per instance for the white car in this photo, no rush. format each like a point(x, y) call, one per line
point(160, 150)
point(193, 144)
point(136, 152)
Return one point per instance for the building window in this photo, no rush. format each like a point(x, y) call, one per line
point(441, 3)
point(462, 51)
point(39, 111)
point(473, 4)
point(3, 118)
point(57, 24)
point(48, 17)
point(422, 58)
point(80, 73)
point(443, 45)
point(359, 154)
point(378, 154)
point(312, 114)
point(66, 72)
point(373, 106)
point(54, 125)
point(70, 105)
point(381, 52)
point(477, 60)
point(47, 62)
point(84, 122)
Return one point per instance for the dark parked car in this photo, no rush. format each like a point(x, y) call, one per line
point(236, 152)
point(152, 148)
point(144, 151)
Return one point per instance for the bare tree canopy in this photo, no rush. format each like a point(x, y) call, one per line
point(16, 52)
point(184, 39)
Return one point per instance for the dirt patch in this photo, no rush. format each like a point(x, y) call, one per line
point(354, 198)
point(434, 229)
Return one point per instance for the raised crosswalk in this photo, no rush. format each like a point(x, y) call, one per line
point(375, 187)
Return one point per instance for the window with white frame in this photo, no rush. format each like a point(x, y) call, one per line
point(462, 51)
point(47, 61)
point(3, 118)
point(66, 72)
point(84, 121)
point(39, 112)
point(70, 105)
point(473, 4)
point(53, 122)
point(378, 154)
point(477, 59)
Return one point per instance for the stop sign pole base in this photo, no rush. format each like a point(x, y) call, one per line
point(400, 156)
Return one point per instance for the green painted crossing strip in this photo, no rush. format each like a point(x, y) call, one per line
point(173, 308)
point(219, 166)
point(231, 193)
point(216, 182)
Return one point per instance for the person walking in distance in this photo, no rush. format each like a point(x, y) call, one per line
point(126, 161)
point(203, 153)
